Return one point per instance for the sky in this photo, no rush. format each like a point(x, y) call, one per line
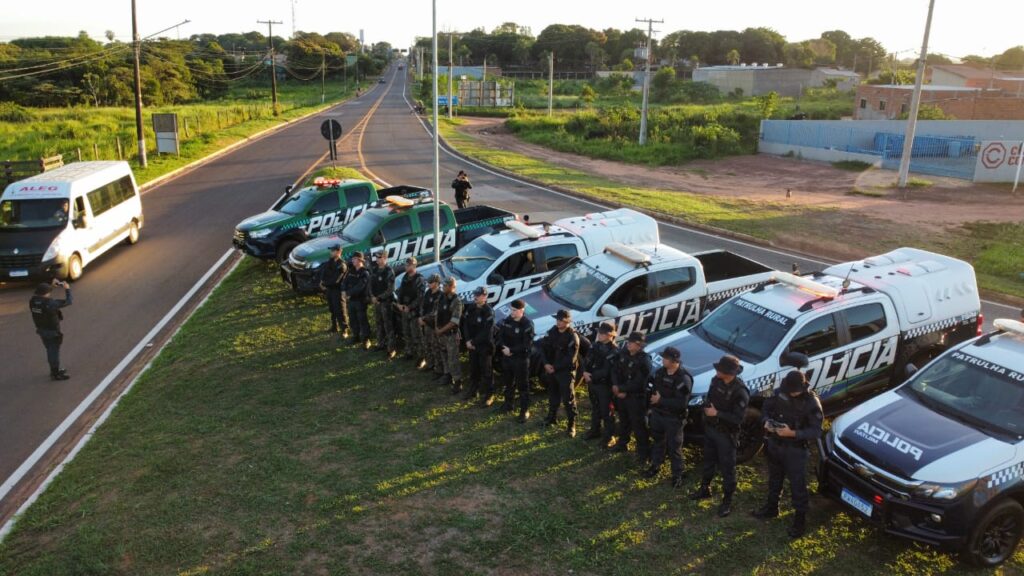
point(984, 27)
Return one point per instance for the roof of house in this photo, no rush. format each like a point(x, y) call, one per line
point(972, 73)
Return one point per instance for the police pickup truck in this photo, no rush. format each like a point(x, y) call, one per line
point(324, 207)
point(508, 262)
point(403, 226)
point(847, 328)
point(940, 459)
point(652, 289)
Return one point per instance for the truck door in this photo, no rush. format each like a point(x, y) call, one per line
point(519, 271)
point(357, 198)
point(325, 215)
point(398, 238)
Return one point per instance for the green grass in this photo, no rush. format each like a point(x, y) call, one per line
point(996, 251)
point(212, 126)
point(255, 445)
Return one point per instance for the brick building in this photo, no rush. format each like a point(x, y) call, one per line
point(970, 77)
point(889, 102)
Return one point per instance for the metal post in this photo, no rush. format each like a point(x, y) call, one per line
point(451, 74)
point(551, 81)
point(647, 79)
point(139, 132)
point(323, 74)
point(1020, 160)
point(437, 148)
point(273, 66)
point(915, 104)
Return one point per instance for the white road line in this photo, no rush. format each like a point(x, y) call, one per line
point(669, 224)
point(9, 525)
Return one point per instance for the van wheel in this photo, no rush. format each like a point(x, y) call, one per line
point(74, 268)
point(996, 535)
point(285, 249)
point(133, 234)
point(751, 436)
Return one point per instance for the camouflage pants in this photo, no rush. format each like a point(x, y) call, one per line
point(412, 336)
point(384, 315)
point(432, 348)
point(449, 351)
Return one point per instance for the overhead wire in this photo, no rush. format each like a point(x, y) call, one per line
point(57, 69)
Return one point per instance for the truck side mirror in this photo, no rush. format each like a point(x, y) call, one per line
point(610, 310)
point(287, 190)
point(909, 370)
point(794, 359)
point(82, 222)
point(495, 279)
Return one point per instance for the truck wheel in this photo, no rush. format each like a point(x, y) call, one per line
point(751, 436)
point(996, 535)
point(285, 249)
point(133, 234)
point(74, 268)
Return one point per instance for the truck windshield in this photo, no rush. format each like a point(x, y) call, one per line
point(300, 202)
point(974, 391)
point(744, 329)
point(363, 226)
point(579, 286)
point(474, 259)
point(26, 214)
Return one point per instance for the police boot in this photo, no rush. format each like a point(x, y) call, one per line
point(488, 401)
point(551, 419)
point(471, 393)
point(678, 482)
point(523, 416)
point(570, 429)
point(651, 472)
point(767, 511)
point(725, 508)
point(799, 525)
point(702, 493)
point(592, 434)
point(61, 374)
point(505, 408)
point(456, 386)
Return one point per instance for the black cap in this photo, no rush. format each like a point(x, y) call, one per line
point(606, 328)
point(795, 381)
point(335, 248)
point(434, 279)
point(358, 255)
point(563, 314)
point(729, 364)
point(637, 337)
point(518, 304)
point(43, 289)
point(410, 261)
point(480, 291)
point(671, 353)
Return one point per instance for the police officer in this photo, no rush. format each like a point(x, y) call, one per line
point(670, 396)
point(410, 295)
point(597, 373)
point(560, 349)
point(46, 315)
point(515, 341)
point(447, 317)
point(629, 381)
point(792, 418)
point(332, 273)
point(356, 288)
point(724, 408)
point(430, 349)
point(382, 294)
point(478, 327)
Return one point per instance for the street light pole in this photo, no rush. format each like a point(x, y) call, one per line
point(140, 134)
point(915, 104)
point(437, 146)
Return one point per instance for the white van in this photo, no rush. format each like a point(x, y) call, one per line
point(55, 223)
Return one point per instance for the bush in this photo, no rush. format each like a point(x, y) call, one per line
point(11, 112)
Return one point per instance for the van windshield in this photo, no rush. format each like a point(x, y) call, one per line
point(33, 214)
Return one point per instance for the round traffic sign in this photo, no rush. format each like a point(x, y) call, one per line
point(331, 129)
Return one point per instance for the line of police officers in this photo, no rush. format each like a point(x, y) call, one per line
point(652, 406)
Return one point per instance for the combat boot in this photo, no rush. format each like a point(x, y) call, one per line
point(766, 512)
point(470, 393)
point(505, 408)
point(678, 482)
point(488, 401)
point(799, 525)
point(592, 434)
point(523, 416)
point(725, 508)
point(456, 385)
point(570, 429)
point(61, 374)
point(651, 472)
point(702, 493)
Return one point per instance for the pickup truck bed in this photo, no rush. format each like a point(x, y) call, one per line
point(723, 265)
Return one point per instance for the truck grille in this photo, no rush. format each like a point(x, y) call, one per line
point(885, 483)
point(20, 260)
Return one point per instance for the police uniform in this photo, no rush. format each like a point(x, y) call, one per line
point(560, 349)
point(630, 376)
point(410, 295)
point(787, 457)
point(431, 348)
point(447, 317)
point(668, 416)
point(356, 287)
point(332, 273)
point(47, 315)
point(721, 432)
point(517, 336)
point(382, 289)
point(599, 364)
point(478, 328)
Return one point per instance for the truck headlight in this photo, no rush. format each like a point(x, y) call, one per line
point(944, 491)
point(53, 250)
point(696, 399)
point(262, 233)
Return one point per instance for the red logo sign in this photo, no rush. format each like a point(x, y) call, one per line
point(993, 155)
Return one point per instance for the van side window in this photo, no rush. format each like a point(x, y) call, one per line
point(326, 204)
point(357, 196)
point(426, 219)
point(632, 293)
point(558, 254)
point(109, 195)
point(673, 281)
point(865, 320)
point(819, 335)
point(518, 265)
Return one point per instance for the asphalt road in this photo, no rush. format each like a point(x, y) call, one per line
point(122, 295)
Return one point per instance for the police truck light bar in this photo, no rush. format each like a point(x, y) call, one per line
point(399, 202)
point(321, 182)
point(1008, 325)
point(524, 229)
point(816, 288)
point(628, 253)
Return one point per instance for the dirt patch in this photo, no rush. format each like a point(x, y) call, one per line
point(943, 203)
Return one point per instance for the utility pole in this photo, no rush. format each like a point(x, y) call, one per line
point(451, 73)
point(323, 74)
point(551, 81)
point(915, 104)
point(419, 63)
point(647, 78)
point(437, 144)
point(140, 134)
point(273, 67)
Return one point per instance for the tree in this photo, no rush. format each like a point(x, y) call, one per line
point(905, 77)
point(977, 61)
point(1011, 59)
point(767, 104)
point(568, 42)
point(109, 35)
point(846, 47)
point(664, 83)
point(762, 45)
point(933, 59)
point(733, 57)
point(799, 55)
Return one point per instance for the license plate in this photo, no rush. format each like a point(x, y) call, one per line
point(19, 273)
point(858, 503)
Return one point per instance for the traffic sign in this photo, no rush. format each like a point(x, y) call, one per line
point(331, 129)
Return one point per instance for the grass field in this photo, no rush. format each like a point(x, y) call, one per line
point(211, 126)
point(995, 250)
point(256, 445)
